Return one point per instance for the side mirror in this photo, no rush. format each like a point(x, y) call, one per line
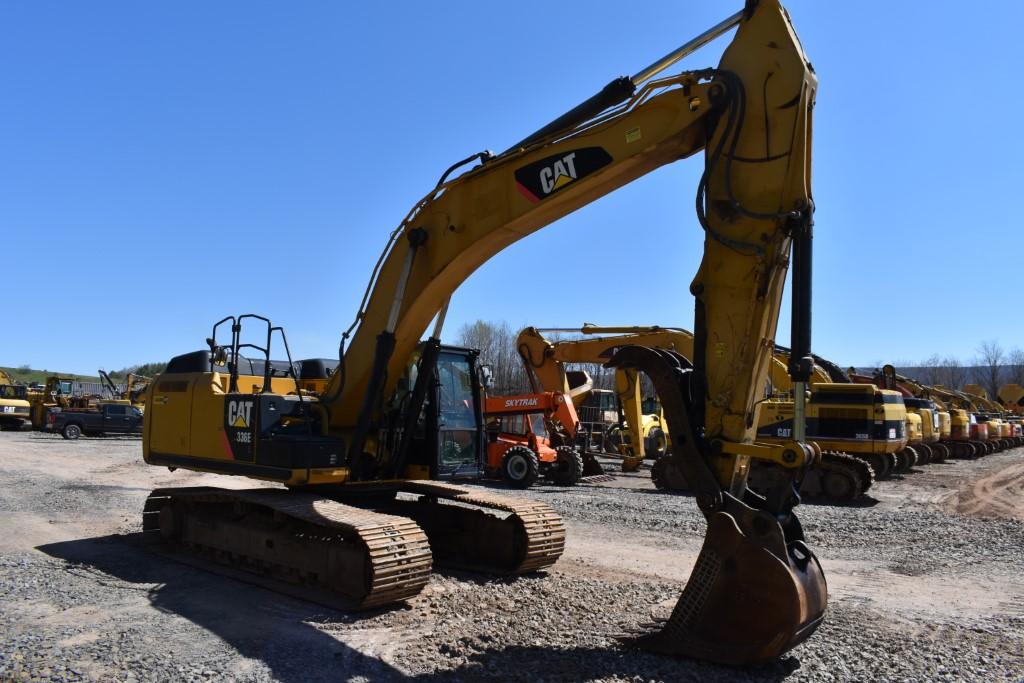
point(486, 375)
point(219, 353)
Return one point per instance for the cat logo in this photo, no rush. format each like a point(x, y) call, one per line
point(558, 174)
point(545, 177)
point(239, 414)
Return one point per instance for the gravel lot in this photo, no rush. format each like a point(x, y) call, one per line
point(926, 583)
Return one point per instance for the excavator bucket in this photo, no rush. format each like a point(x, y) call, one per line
point(749, 599)
point(756, 589)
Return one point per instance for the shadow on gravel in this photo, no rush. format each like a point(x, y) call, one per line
point(279, 632)
point(862, 502)
point(550, 664)
point(257, 623)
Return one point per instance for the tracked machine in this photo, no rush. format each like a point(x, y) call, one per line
point(367, 497)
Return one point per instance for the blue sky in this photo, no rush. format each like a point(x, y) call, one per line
point(165, 164)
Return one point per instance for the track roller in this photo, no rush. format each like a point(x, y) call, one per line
point(940, 452)
point(905, 460)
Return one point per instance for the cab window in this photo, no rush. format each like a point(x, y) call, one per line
point(513, 424)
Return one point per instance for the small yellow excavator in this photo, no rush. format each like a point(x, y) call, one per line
point(357, 465)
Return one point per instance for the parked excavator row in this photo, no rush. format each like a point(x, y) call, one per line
point(370, 462)
point(838, 476)
point(901, 431)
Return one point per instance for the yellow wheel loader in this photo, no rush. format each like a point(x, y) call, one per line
point(357, 516)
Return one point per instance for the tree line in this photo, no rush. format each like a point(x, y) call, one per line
point(991, 367)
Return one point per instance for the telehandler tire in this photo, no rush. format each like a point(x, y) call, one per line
point(567, 470)
point(519, 467)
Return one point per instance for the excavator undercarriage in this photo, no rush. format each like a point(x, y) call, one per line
point(345, 554)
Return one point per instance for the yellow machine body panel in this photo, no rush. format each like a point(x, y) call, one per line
point(855, 418)
point(188, 420)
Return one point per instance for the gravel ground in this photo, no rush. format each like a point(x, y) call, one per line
point(918, 591)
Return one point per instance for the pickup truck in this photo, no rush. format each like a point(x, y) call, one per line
point(108, 418)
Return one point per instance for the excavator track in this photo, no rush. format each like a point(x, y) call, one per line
point(300, 544)
point(857, 473)
point(466, 533)
point(905, 460)
point(940, 452)
point(881, 464)
point(838, 478)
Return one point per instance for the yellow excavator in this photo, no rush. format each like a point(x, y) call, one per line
point(360, 461)
point(14, 406)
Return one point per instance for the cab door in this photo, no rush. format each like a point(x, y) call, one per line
point(459, 428)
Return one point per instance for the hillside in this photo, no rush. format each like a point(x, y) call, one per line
point(30, 376)
point(26, 375)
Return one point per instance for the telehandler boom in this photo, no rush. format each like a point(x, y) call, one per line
point(396, 413)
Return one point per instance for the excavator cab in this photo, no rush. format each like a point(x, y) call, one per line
point(449, 439)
